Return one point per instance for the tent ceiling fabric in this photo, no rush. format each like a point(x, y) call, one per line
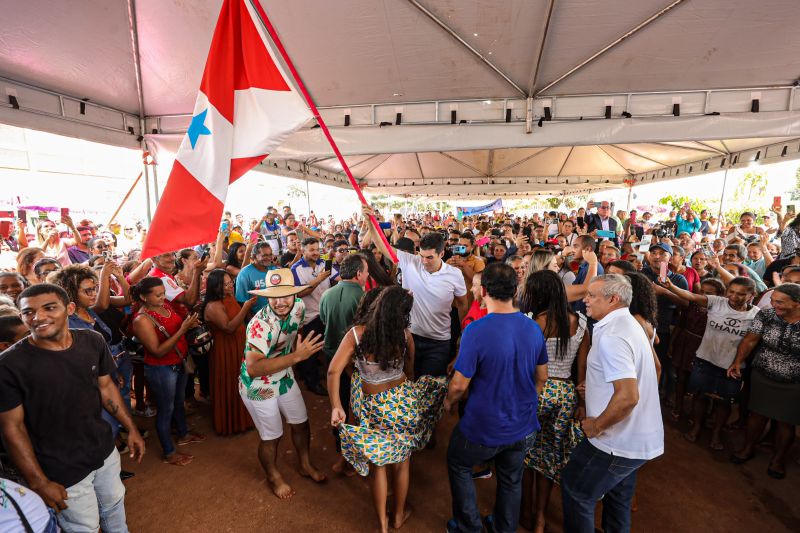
point(390, 52)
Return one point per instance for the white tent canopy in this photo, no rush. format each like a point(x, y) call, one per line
point(440, 97)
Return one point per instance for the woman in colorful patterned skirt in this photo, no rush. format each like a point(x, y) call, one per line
point(545, 301)
point(396, 416)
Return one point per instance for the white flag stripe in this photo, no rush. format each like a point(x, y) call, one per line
point(263, 119)
point(210, 160)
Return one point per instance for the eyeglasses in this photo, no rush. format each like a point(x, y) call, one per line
point(342, 250)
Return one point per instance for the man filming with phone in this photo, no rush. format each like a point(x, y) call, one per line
point(601, 224)
point(464, 259)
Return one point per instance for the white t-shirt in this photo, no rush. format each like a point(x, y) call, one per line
point(171, 287)
point(621, 350)
point(725, 329)
point(304, 274)
point(433, 295)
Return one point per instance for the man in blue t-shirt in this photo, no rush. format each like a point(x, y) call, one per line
point(502, 362)
point(254, 275)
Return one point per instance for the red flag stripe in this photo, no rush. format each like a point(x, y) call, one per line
point(238, 59)
point(181, 225)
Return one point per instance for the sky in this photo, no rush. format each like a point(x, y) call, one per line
point(44, 169)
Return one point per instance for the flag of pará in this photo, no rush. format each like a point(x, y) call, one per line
point(246, 107)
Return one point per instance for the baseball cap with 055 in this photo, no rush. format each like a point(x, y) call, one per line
point(280, 283)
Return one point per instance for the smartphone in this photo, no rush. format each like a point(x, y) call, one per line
point(205, 254)
point(329, 264)
point(385, 225)
point(606, 234)
point(790, 209)
point(644, 243)
point(483, 241)
point(22, 215)
point(707, 250)
point(662, 273)
point(107, 255)
point(254, 237)
point(64, 212)
point(6, 214)
point(225, 227)
point(776, 203)
point(459, 249)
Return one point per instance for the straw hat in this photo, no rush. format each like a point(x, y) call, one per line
point(280, 283)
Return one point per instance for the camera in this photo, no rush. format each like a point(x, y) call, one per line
point(751, 238)
point(665, 229)
point(459, 249)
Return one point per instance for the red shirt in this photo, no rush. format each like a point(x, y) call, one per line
point(475, 313)
point(171, 324)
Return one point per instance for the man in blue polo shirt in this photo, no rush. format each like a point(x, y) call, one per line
point(502, 362)
point(253, 276)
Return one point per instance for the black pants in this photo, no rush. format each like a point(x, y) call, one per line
point(308, 370)
point(431, 356)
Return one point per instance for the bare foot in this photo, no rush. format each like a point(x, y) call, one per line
point(690, 436)
point(189, 438)
point(398, 521)
point(310, 471)
point(281, 489)
point(343, 467)
point(385, 525)
point(178, 459)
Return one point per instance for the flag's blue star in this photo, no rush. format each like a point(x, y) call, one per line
point(198, 128)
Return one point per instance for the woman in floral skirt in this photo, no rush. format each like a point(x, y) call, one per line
point(545, 301)
point(396, 416)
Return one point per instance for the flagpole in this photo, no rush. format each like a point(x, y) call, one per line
point(262, 15)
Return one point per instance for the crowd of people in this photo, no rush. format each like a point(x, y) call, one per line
point(556, 338)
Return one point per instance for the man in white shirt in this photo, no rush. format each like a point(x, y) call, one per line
point(623, 424)
point(436, 287)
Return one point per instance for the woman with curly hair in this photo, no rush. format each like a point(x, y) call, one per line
point(26, 259)
point(396, 416)
point(545, 302)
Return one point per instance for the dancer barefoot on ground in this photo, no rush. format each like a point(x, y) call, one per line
point(395, 416)
point(266, 381)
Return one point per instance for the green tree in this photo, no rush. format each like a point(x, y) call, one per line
point(295, 191)
point(752, 185)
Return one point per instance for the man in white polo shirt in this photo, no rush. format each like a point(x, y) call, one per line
point(623, 417)
point(310, 270)
point(436, 287)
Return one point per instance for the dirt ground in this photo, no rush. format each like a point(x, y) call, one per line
point(690, 488)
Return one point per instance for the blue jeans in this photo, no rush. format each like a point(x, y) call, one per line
point(125, 371)
point(431, 357)
point(168, 384)
point(97, 501)
point(590, 475)
point(462, 456)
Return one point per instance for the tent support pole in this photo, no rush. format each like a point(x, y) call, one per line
point(155, 181)
point(722, 198)
point(663, 11)
point(308, 197)
point(630, 195)
point(468, 46)
point(137, 68)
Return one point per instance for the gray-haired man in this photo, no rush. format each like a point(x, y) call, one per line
point(623, 424)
